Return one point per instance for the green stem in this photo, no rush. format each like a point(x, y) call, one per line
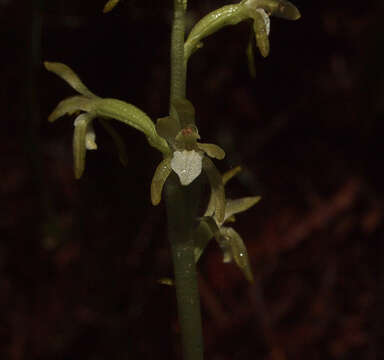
point(178, 73)
point(182, 207)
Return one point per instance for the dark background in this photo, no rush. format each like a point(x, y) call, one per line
point(80, 260)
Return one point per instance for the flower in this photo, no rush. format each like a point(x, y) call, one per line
point(87, 106)
point(228, 238)
point(257, 10)
point(260, 10)
point(188, 157)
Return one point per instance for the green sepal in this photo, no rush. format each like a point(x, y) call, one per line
point(217, 189)
point(69, 76)
point(132, 116)
point(261, 33)
point(209, 24)
point(79, 142)
point(235, 206)
point(160, 176)
point(70, 106)
point(234, 249)
point(279, 8)
point(185, 111)
point(206, 230)
point(168, 127)
point(118, 140)
point(212, 150)
point(110, 5)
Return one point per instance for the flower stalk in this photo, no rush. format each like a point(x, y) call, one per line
point(182, 209)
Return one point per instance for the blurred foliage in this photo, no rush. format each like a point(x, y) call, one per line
point(80, 260)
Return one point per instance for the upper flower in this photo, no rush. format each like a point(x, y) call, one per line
point(257, 10)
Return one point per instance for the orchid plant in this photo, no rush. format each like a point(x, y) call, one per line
point(176, 137)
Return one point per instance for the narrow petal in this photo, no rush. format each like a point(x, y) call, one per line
point(235, 206)
point(234, 248)
point(79, 143)
point(71, 105)
point(261, 33)
point(212, 150)
point(267, 21)
point(187, 165)
point(230, 174)
point(217, 189)
point(161, 174)
point(68, 75)
point(110, 5)
point(206, 230)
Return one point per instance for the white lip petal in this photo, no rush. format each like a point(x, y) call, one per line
point(187, 165)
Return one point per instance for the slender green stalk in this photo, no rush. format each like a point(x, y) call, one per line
point(178, 73)
point(182, 206)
